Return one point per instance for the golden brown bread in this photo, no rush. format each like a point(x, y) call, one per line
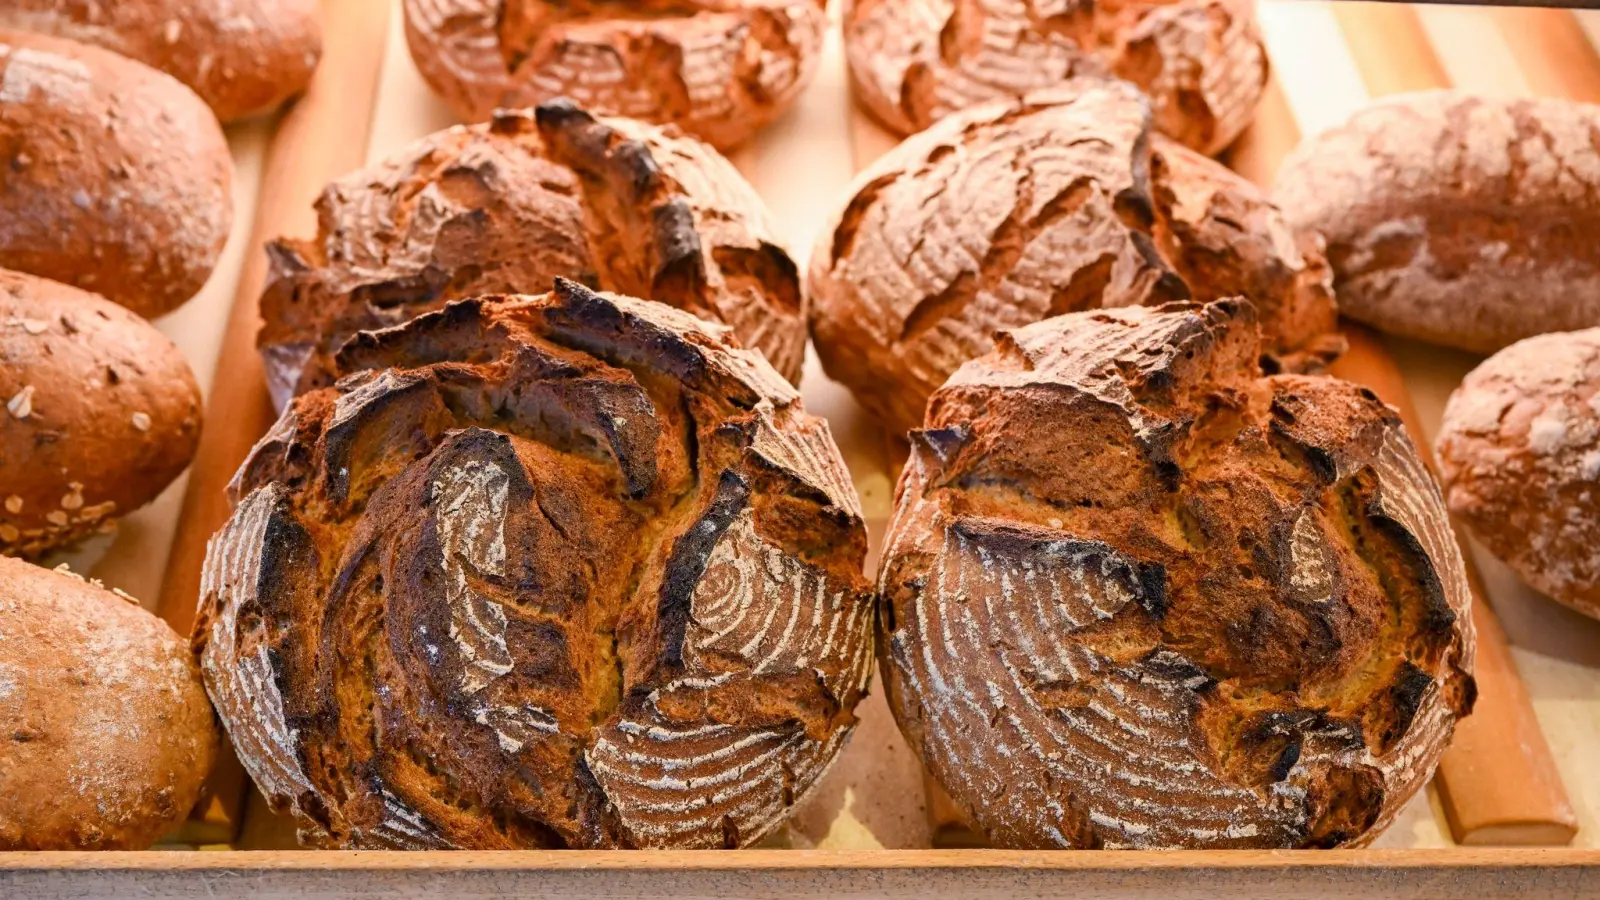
point(1202, 62)
point(1458, 219)
point(556, 571)
point(243, 57)
point(116, 178)
point(1135, 594)
point(101, 414)
point(105, 732)
point(513, 204)
point(1519, 454)
point(1009, 213)
point(719, 69)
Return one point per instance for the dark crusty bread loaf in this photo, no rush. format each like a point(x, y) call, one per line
point(117, 178)
point(1457, 219)
point(101, 413)
point(1006, 214)
point(243, 57)
point(719, 69)
point(557, 571)
point(1519, 453)
point(1135, 594)
point(511, 205)
point(105, 732)
point(913, 62)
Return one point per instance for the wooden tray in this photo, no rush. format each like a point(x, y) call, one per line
point(866, 830)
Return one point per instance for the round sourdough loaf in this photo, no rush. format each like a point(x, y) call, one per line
point(105, 732)
point(913, 62)
point(1009, 213)
point(243, 57)
point(511, 205)
point(117, 178)
point(1519, 453)
point(556, 571)
point(1135, 594)
point(100, 414)
point(1457, 219)
point(719, 69)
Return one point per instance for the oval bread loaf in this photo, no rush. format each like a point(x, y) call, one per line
point(718, 69)
point(105, 732)
point(512, 205)
point(1248, 629)
point(556, 571)
point(1202, 62)
point(1519, 453)
point(243, 57)
point(1008, 213)
point(117, 177)
point(1457, 219)
point(101, 414)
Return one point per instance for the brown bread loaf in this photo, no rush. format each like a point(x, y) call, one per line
point(511, 205)
point(1135, 594)
point(913, 62)
point(1519, 453)
point(556, 571)
point(243, 57)
point(101, 414)
point(117, 178)
point(105, 732)
point(719, 69)
point(1006, 214)
point(1457, 219)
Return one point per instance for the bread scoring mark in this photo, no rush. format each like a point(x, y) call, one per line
point(1311, 574)
point(471, 500)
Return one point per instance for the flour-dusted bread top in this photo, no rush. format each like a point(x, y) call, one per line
point(1008, 213)
point(555, 571)
point(1455, 218)
point(1202, 62)
point(719, 69)
point(105, 732)
point(1519, 453)
point(510, 206)
point(1135, 594)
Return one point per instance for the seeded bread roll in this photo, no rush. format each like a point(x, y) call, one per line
point(1519, 453)
point(718, 69)
point(105, 732)
point(1246, 626)
point(510, 206)
point(101, 414)
point(913, 62)
point(243, 57)
point(557, 571)
point(1457, 219)
point(1006, 214)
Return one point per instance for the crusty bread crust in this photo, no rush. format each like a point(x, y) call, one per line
point(1135, 594)
point(510, 206)
point(556, 571)
point(718, 69)
point(1202, 62)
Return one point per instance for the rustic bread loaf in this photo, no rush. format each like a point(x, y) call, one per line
point(1135, 594)
point(1005, 214)
point(1457, 219)
point(117, 178)
point(913, 62)
point(557, 571)
point(101, 414)
point(719, 69)
point(1519, 453)
point(511, 205)
point(105, 732)
point(243, 57)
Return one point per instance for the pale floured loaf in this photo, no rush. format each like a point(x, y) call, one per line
point(555, 571)
point(1136, 594)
